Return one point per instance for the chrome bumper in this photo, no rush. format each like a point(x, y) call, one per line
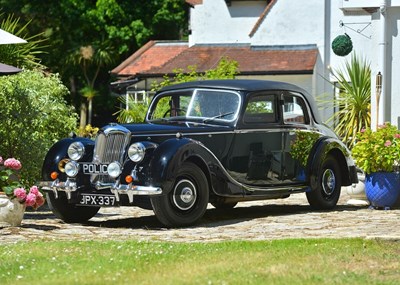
point(117, 189)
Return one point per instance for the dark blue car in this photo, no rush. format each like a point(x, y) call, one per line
point(218, 141)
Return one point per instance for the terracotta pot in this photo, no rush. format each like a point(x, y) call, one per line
point(11, 211)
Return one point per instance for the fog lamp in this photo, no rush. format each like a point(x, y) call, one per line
point(114, 169)
point(71, 168)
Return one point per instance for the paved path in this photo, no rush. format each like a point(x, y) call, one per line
point(261, 220)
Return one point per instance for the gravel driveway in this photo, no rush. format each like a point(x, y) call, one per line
point(261, 220)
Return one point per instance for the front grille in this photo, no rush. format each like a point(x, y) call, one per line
point(110, 145)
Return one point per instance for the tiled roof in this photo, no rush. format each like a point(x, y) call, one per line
point(194, 2)
point(158, 60)
point(153, 54)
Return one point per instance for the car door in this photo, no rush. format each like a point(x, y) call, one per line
point(256, 153)
point(297, 130)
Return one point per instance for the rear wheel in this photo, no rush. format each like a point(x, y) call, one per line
point(326, 195)
point(69, 213)
point(187, 202)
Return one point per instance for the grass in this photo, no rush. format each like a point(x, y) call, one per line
point(294, 261)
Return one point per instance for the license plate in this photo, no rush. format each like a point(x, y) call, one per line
point(91, 168)
point(98, 200)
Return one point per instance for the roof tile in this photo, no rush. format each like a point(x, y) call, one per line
point(151, 55)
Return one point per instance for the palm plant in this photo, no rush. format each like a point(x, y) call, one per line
point(91, 59)
point(89, 93)
point(134, 113)
point(353, 103)
point(21, 55)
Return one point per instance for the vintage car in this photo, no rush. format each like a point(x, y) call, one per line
point(215, 141)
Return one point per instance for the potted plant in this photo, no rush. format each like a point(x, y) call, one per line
point(14, 198)
point(377, 153)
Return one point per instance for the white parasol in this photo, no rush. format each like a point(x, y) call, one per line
point(7, 38)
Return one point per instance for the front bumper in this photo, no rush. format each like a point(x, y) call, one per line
point(69, 186)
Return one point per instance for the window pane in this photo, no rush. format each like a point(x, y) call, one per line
point(261, 109)
point(294, 110)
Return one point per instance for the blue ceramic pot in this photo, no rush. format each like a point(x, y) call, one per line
point(382, 189)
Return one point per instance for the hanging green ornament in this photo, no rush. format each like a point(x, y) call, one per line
point(342, 45)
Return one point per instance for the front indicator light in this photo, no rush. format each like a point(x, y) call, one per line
point(54, 175)
point(114, 169)
point(71, 168)
point(128, 179)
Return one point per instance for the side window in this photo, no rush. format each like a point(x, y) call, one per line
point(261, 109)
point(295, 110)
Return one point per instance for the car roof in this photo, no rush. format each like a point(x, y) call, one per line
point(236, 84)
point(247, 85)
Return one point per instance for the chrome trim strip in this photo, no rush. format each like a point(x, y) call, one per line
point(227, 132)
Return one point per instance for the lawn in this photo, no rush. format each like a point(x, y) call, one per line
point(293, 261)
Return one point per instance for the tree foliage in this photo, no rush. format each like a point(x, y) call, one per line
point(117, 27)
point(33, 116)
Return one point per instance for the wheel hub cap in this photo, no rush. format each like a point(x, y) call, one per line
point(184, 195)
point(328, 182)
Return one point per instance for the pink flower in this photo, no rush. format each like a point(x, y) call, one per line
point(362, 130)
point(30, 199)
point(388, 143)
point(397, 136)
point(13, 163)
point(1, 160)
point(20, 193)
point(39, 201)
point(34, 190)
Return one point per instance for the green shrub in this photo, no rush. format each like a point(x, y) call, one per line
point(33, 116)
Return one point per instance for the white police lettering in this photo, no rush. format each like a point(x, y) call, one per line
point(94, 168)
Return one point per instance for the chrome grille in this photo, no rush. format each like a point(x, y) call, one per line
point(110, 145)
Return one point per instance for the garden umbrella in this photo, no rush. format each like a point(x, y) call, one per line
point(8, 69)
point(7, 38)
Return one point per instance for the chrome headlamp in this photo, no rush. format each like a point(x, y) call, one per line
point(114, 169)
point(136, 152)
point(76, 150)
point(71, 168)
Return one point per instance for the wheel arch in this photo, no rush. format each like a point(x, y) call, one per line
point(203, 166)
point(325, 147)
point(171, 154)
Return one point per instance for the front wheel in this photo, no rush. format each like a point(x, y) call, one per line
point(187, 202)
point(327, 192)
point(69, 213)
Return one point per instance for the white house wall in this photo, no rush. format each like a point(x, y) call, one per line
point(289, 23)
point(392, 72)
point(215, 22)
point(355, 21)
point(392, 65)
point(292, 22)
